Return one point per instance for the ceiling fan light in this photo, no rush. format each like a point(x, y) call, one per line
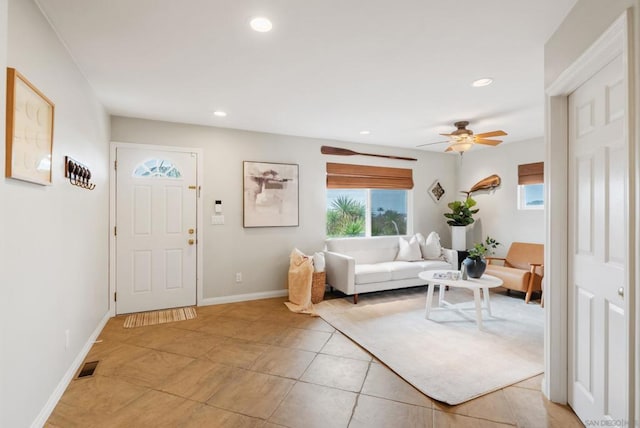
point(461, 147)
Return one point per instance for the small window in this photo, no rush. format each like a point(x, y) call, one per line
point(531, 197)
point(157, 168)
point(531, 186)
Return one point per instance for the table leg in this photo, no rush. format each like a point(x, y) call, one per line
point(441, 290)
point(476, 298)
point(430, 288)
point(487, 303)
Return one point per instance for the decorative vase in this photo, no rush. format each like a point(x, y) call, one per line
point(475, 268)
point(459, 238)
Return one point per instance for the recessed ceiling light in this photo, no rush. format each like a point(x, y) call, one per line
point(365, 132)
point(220, 113)
point(485, 81)
point(261, 24)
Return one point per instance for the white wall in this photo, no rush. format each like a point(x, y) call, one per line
point(499, 216)
point(261, 254)
point(583, 25)
point(54, 238)
point(4, 290)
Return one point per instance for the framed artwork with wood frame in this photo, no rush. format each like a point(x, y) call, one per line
point(29, 131)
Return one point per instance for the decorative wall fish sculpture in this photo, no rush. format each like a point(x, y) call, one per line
point(488, 183)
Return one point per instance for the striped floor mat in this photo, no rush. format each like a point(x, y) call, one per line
point(159, 317)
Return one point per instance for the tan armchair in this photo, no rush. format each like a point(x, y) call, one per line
point(522, 269)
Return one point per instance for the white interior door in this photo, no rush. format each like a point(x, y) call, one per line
point(598, 260)
point(156, 197)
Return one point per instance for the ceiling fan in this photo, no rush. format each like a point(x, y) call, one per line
point(462, 138)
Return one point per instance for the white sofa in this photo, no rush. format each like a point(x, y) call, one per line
point(364, 265)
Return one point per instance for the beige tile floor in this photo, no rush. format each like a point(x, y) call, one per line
point(255, 364)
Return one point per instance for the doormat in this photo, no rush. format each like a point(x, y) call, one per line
point(160, 317)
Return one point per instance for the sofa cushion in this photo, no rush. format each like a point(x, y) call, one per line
point(367, 273)
point(434, 265)
point(514, 279)
point(365, 250)
point(403, 270)
point(408, 251)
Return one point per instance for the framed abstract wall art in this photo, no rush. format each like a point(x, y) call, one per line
point(270, 194)
point(436, 191)
point(29, 133)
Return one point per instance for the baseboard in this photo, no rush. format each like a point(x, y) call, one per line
point(68, 376)
point(242, 297)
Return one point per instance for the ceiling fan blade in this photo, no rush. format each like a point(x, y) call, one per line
point(449, 149)
point(431, 144)
point(447, 135)
point(491, 134)
point(488, 142)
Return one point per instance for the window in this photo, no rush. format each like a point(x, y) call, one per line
point(531, 197)
point(157, 168)
point(366, 212)
point(531, 186)
point(367, 201)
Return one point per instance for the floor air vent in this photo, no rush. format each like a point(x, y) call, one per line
point(88, 369)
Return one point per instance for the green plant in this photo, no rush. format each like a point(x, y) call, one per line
point(461, 212)
point(483, 248)
point(346, 218)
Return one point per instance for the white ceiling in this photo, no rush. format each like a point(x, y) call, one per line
point(329, 69)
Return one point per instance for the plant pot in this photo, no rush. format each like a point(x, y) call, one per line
point(475, 268)
point(459, 238)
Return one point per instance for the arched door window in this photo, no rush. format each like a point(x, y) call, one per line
point(157, 168)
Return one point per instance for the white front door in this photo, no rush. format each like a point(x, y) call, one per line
point(156, 196)
point(598, 242)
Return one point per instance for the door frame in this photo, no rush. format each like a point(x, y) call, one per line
point(112, 215)
point(617, 40)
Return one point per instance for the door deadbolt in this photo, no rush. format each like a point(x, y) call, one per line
point(191, 231)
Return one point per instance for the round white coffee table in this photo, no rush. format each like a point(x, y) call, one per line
point(484, 283)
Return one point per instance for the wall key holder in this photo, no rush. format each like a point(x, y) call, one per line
point(77, 173)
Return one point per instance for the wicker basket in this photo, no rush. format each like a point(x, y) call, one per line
point(318, 287)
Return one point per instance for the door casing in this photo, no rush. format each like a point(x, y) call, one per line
point(615, 41)
point(112, 216)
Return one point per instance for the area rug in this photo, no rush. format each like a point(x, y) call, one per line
point(445, 357)
point(142, 319)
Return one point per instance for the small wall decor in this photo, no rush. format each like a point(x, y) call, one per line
point(29, 133)
point(270, 194)
point(487, 183)
point(436, 191)
point(77, 173)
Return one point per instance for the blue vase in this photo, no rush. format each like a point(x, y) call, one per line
point(475, 268)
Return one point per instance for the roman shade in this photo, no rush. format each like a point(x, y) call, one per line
point(347, 176)
point(531, 173)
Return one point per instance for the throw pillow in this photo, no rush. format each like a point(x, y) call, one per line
point(409, 251)
point(432, 250)
point(318, 262)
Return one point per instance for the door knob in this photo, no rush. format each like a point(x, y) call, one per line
point(191, 241)
point(621, 291)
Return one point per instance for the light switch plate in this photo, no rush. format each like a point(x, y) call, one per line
point(217, 219)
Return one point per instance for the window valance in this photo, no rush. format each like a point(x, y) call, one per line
point(347, 176)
